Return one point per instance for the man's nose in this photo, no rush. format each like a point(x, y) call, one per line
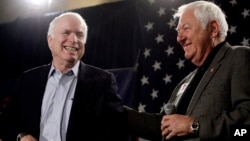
point(180, 37)
point(73, 37)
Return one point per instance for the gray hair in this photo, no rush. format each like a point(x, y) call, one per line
point(205, 12)
point(84, 25)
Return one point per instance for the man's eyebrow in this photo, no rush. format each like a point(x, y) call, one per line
point(181, 26)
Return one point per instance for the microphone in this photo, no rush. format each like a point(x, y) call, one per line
point(168, 109)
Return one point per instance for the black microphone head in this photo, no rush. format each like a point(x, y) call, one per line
point(169, 108)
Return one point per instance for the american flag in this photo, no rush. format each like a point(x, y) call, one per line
point(162, 64)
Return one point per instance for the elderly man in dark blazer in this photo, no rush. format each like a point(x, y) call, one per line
point(66, 100)
point(213, 100)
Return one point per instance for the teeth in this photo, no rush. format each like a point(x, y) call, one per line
point(71, 48)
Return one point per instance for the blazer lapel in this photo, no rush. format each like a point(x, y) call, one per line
point(39, 89)
point(214, 66)
point(83, 86)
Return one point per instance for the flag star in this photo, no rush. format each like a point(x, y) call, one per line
point(163, 19)
point(161, 12)
point(141, 107)
point(144, 80)
point(171, 23)
point(245, 13)
point(245, 42)
point(151, 1)
point(167, 79)
point(154, 94)
point(162, 107)
point(232, 29)
point(146, 52)
point(149, 26)
point(159, 38)
point(180, 64)
point(233, 2)
point(170, 50)
point(157, 66)
point(173, 9)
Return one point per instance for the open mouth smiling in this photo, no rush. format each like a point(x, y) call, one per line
point(186, 45)
point(69, 48)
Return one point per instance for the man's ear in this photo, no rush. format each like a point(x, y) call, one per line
point(49, 40)
point(215, 31)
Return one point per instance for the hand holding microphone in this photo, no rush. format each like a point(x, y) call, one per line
point(168, 109)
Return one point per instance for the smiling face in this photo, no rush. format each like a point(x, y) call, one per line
point(196, 41)
point(66, 41)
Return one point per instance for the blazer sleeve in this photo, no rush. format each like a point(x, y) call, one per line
point(142, 124)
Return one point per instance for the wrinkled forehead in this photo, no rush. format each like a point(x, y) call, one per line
point(186, 17)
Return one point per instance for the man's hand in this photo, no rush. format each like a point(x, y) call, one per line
point(176, 125)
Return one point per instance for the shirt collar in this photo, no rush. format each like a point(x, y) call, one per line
point(74, 69)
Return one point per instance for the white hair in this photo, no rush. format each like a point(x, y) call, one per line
point(206, 11)
point(84, 25)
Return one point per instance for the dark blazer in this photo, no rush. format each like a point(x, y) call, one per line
point(221, 99)
point(96, 112)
